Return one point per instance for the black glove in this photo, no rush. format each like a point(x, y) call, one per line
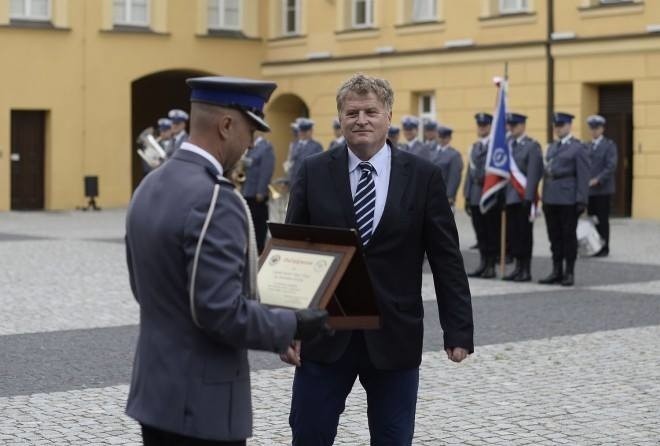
point(468, 209)
point(580, 208)
point(527, 206)
point(311, 323)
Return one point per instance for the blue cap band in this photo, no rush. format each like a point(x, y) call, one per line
point(228, 98)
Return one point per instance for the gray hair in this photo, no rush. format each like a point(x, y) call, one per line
point(363, 84)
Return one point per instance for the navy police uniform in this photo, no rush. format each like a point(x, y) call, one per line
point(186, 236)
point(178, 117)
point(487, 226)
point(303, 148)
point(450, 162)
point(259, 164)
point(528, 157)
point(565, 196)
point(603, 154)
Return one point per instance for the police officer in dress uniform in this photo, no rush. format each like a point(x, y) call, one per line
point(410, 125)
point(165, 134)
point(192, 269)
point(565, 197)
point(528, 158)
point(306, 145)
point(486, 226)
point(179, 135)
point(259, 164)
point(430, 133)
point(393, 134)
point(603, 155)
point(339, 140)
point(450, 162)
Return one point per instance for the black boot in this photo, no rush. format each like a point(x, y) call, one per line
point(555, 276)
point(489, 272)
point(569, 276)
point(525, 273)
point(516, 271)
point(480, 269)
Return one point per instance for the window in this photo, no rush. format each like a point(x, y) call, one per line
point(426, 107)
point(291, 17)
point(424, 10)
point(513, 6)
point(362, 13)
point(131, 12)
point(224, 14)
point(30, 9)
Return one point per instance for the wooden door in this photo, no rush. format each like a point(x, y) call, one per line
point(615, 105)
point(28, 129)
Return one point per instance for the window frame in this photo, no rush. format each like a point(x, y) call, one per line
point(28, 16)
point(423, 115)
point(222, 25)
point(127, 19)
point(285, 17)
point(430, 18)
point(523, 7)
point(369, 14)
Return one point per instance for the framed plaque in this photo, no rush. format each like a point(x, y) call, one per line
point(311, 266)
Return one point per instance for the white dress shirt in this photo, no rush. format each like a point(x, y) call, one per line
point(203, 153)
point(597, 141)
point(382, 162)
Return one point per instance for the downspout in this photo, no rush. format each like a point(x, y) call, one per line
point(550, 64)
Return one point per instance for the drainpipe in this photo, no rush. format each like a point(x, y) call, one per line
point(550, 63)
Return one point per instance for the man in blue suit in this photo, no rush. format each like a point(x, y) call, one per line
point(192, 269)
point(259, 164)
point(398, 204)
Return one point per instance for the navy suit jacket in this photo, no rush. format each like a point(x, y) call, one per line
point(188, 379)
point(416, 220)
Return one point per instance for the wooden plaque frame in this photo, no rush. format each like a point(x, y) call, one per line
point(348, 295)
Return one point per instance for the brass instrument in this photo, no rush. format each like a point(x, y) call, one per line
point(151, 152)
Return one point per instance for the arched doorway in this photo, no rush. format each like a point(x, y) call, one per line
point(152, 96)
point(280, 113)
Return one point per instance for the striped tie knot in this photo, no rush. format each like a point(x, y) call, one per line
point(366, 167)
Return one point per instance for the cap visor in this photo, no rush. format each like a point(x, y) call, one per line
point(261, 124)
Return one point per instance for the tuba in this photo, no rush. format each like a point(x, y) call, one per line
point(150, 151)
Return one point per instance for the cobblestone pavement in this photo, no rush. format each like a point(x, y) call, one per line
point(553, 365)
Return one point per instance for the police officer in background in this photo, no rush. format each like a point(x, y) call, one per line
point(192, 269)
point(259, 162)
point(430, 133)
point(165, 135)
point(179, 120)
point(565, 197)
point(450, 162)
point(393, 134)
point(410, 125)
point(305, 147)
point(339, 138)
point(486, 226)
point(603, 155)
point(528, 157)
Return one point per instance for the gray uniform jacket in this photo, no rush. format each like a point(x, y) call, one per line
point(603, 165)
point(416, 147)
point(189, 380)
point(476, 172)
point(529, 159)
point(177, 140)
point(338, 142)
point(451, 165)
point(260, 163)
point(566, 179)
point(301, 150)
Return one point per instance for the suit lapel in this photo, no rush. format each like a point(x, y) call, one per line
point(399, 180)
point(339, 173)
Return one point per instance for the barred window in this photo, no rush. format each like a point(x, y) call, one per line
point(30, 9)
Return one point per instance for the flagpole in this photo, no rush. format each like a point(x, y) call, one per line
point(503, 215)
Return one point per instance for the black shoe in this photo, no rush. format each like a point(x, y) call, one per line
point(525, 274)
point(475, 246)
point(604, 252)
point(568, 280)
point(489, 272)
point(556, 276)
point(515, 273)
point(480, 269)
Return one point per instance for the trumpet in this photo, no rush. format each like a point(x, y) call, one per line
point(151, 152)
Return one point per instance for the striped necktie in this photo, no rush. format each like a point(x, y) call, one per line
point(364, 202)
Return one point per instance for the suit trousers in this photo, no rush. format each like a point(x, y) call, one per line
point(487, 227)
point(519, 231)
point(599, 205)
point(561, 222)
point(259, 213)
point(156, 437)
point(320, 391)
